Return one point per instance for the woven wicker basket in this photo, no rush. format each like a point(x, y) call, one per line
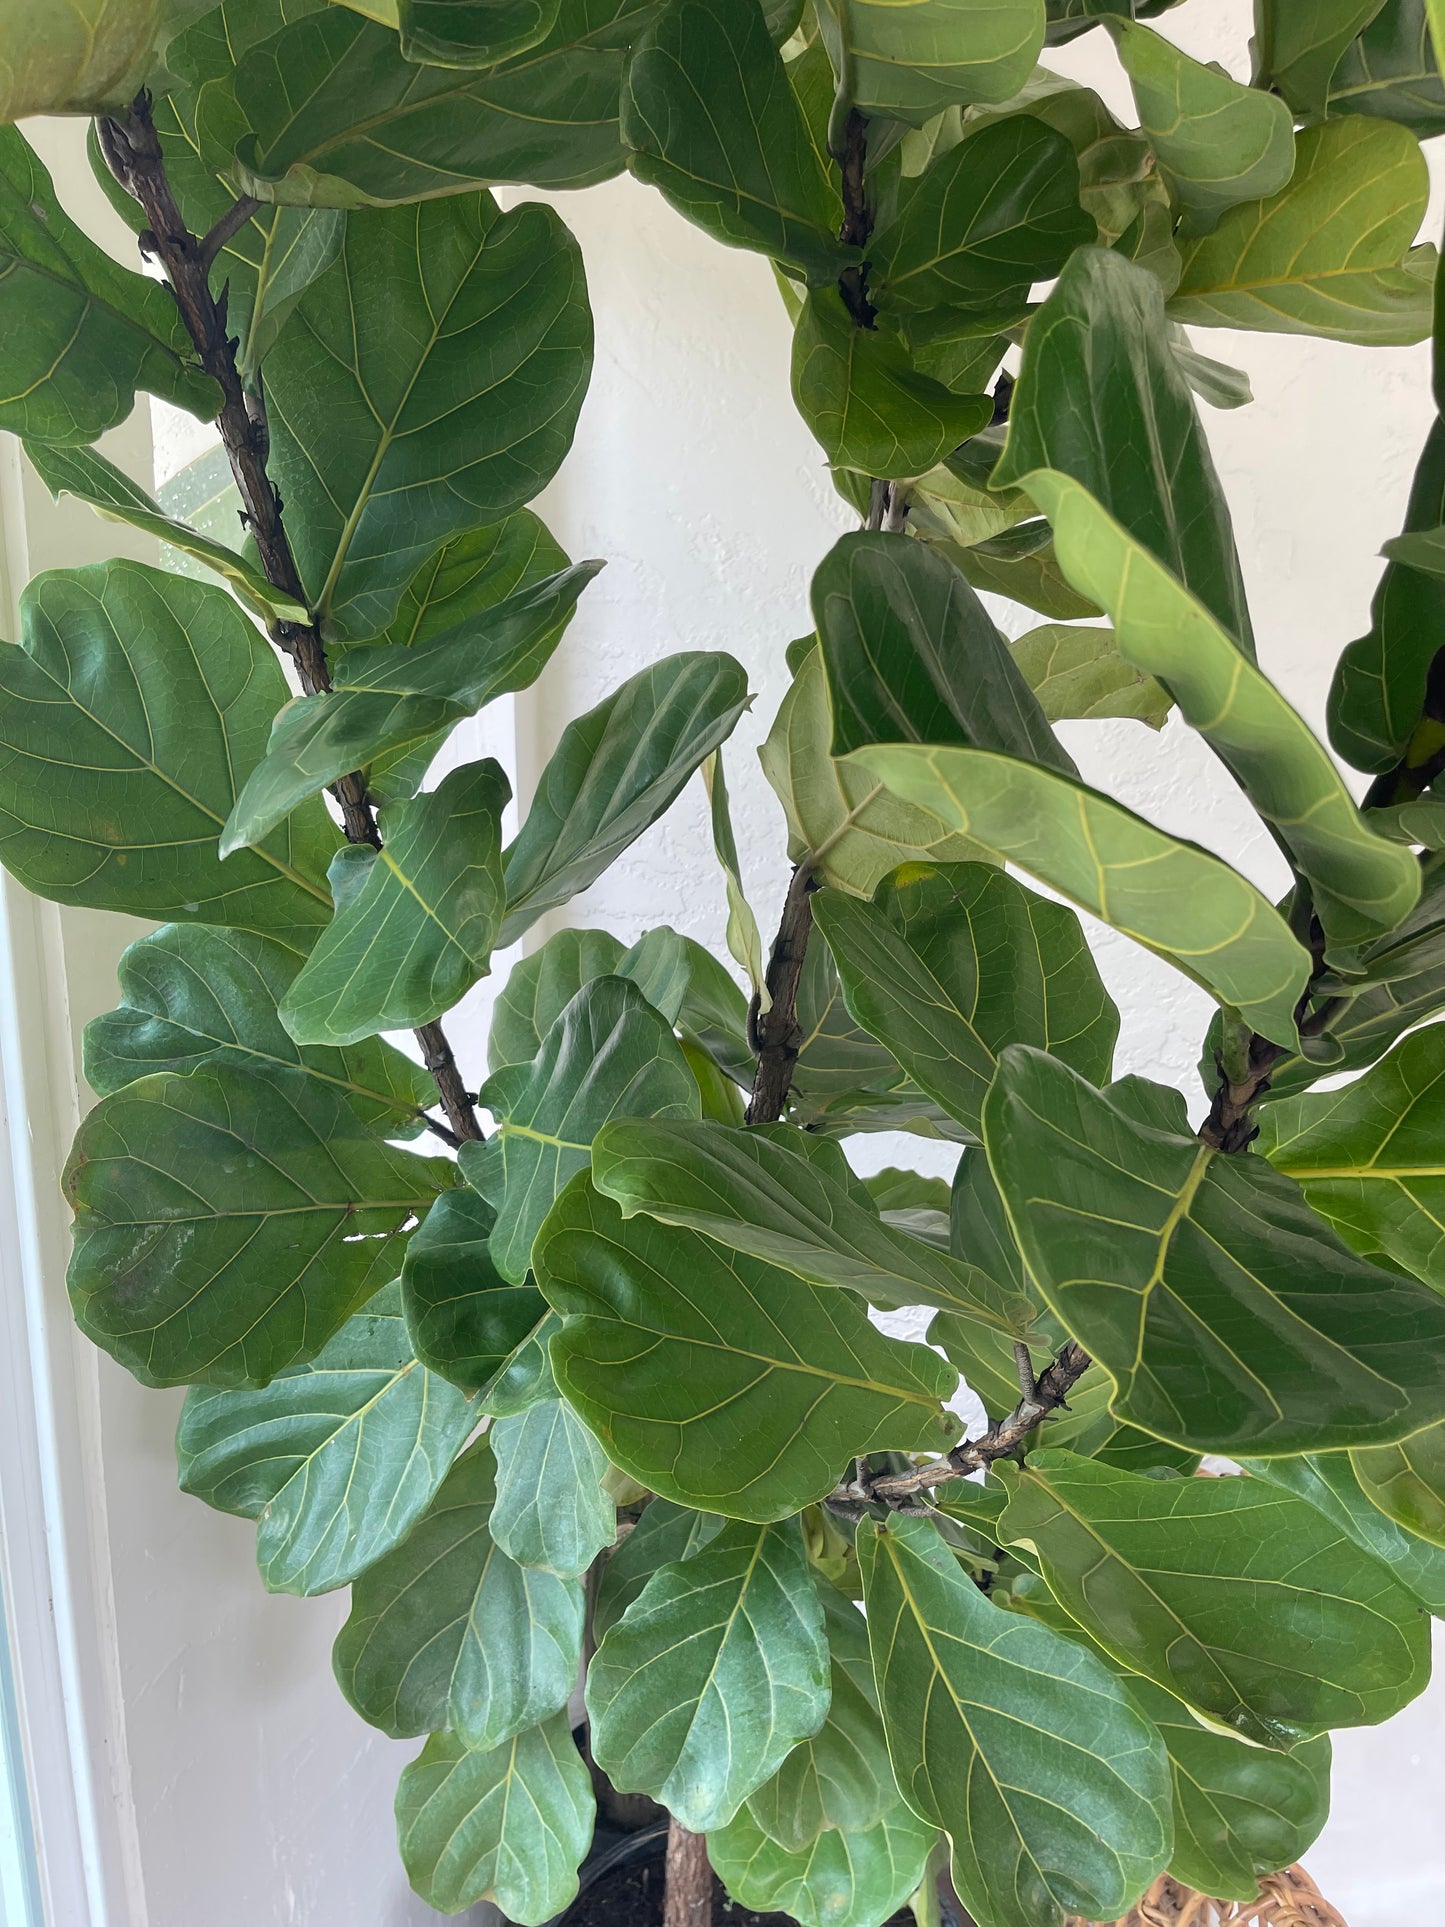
point(1288, 1899)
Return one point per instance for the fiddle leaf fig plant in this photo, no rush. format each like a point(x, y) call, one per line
point(558, 1347)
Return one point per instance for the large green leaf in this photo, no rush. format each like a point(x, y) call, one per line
point(663, 1535)
point(396, 699)
point(1328, 1483)
point(1326, 255)
point(470, 573)
point(78, 333)
point(446, 1631)
point(194, 997)
point(415, 920)
point(1407, 1482)
point(1361, 885)
point(608, 1055)
point(869, 407)
point(1098, 351)
point(1171, 896)
point(342, 119)
point(465, 1319)
point(715, 1379)
point(1078, 671)
point(1217, 142)
point(1243, 1601)
point(472, 33)
point(912, 655)
point(613, 772)
point(510, 1825)
point(1020, 1744)
point(1298, 48)
point(857, 1878)
point(1370, 1157)
point(1229, 1315)
point(132, 708)
point(712, 121)
point(551, 1511)
point(72, 57)
point(334, 1459)
point(712, 1675)
point(226, 1224)
point(910, 62)
point(430, 380)
point(950, 962)
point(543, 984)
point(994, 215)
point(1390, 70)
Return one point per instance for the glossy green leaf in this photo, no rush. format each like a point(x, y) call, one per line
point(1407, 1482)
point(1328, 1483)
point(194, 998)
point(608, 1055)
point(465, 1319)
point(1049, 1815)
point(717, 1380)
point(446, 1632)
point(1096, 352)
point(1217, 142)
point(909, 62)
point(526, 1377)
point(1298, 48)
point(997, 213)
point(1239, 1598)
point(712, 1676)
point(335, 1460)
point(469, 574)
point(415, 921)
point(869, 407)
point(543, 984)
point(472, 33)
point(1078, 672)
point(132, 708)
point(1019, 564)
point(226, 1224)
point(1390, 70)
point(1171, 896)
point(860, 1878)
point(89, 477)
point(744, 939)
point(508, 1826)
point(428, 382)
point(712, 121)
point(613, 772)
point(551, 1511)
point(1229, 1315)
point(950, 962)
point(78, 333)
point(663, 1535)
point(1361, 885)
point(1326, 255)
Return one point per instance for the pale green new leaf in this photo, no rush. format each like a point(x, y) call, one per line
point(1079, 672)
point(909, 62)
point(858, 1878)
point(712, 1675)
point(335, 1459)
point(719, 1381)
point(551, 1511)
point(80, 56)
point(542, 985)
point(744, 939)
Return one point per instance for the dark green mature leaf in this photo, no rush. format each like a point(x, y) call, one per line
point(446, 1631)
point(1217, 142)
point(397, 698)
point(909, 63)
point(1328, 1483)
point(465, 1319)
point(613, 773)
point(1230, 1317)
point(472, 33)
point(868, 406)
point(1098, 351)
point(1407, 1482)
point(1298, 48)
point(551, 1510)
point(335, 1459)
point(712, 121)
point(526, 1377)
point(226, 1224)
point(1362, 886)
point(747, 1191)
point(712, 1676)
point(608, 1055)
point(857, 1878)
point(950, 962)
point(1326, 255)
point(663, 1535)
point(194, 997)
point(995, 214)
point(1390, 70)
point(342, 119)
point(415, 920)
point(1370, 1157)
point(1079, 672)
point(1171, 896)
point(912, 656)
point(719, 1381)
point(78, 333)
point(839, 1779)
point(134, 704)
point(1067, 1814)
point(543, 984)
point(429, 381)
point(509, 1826)
point(469, 574)
point(1242, 1600)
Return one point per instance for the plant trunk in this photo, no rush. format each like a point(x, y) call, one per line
point(690, 1880)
